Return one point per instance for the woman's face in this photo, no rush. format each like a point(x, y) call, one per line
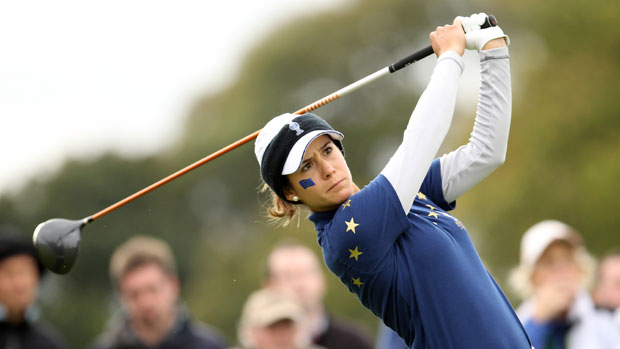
point(323, 181)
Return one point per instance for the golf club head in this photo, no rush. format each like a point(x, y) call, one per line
point(58, 242)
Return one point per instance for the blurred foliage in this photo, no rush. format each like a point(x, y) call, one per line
point(562, 161)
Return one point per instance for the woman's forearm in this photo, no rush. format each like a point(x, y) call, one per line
point(486, 150)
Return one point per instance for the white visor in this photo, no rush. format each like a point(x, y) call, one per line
point(296, 155)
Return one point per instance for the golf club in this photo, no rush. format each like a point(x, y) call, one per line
point(58, 240)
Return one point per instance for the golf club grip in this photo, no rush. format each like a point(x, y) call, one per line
point(490, 21)
point(425, 52)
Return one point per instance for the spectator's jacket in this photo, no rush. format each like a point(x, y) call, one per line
point(185, 334)
point(28, 334)
point(302, 347)
point(585, 327)
point(339, 334)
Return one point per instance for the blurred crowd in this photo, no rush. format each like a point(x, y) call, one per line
point(569, 300)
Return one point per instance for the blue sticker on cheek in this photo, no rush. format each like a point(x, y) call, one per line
point(305, 183)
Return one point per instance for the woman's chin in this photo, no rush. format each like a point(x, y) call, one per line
point(342, 196)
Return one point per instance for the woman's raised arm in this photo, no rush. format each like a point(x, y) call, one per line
point(431, 118)
point(486, 149)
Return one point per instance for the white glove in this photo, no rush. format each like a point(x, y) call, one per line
point(472, 22)
point(476, 38)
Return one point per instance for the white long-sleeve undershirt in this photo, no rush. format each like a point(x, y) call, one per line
point(430, 122)
point(427, 127)
point(464, 167)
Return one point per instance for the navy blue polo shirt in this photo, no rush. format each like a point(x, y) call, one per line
point(418, 272)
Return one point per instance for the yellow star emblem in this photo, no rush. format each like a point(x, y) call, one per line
point(357, 282)
point(355, 253)
point(421, 196)
point(346, 204)
point(433, 214)
point(431, 207)
point(351, 225)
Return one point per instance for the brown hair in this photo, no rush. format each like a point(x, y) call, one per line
point(137, 252)
point(280, 211)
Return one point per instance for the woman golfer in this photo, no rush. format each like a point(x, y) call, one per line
point(393, 243)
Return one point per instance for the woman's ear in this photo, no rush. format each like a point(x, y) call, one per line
point(289, 193)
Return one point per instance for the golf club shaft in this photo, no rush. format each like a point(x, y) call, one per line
point(321, 102)
point(427, 51)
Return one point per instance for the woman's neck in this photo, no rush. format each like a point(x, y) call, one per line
point(326, 209)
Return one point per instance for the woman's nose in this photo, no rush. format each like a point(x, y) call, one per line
point(327, 168)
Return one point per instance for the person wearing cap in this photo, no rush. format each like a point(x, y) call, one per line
point(553, 275)
point(393, 243)
point(143, 271)
point(271, 320)
point(295, 270)
point(20, 273)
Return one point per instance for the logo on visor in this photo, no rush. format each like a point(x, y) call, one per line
point(293, 126)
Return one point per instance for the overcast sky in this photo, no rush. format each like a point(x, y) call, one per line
point(81, 77)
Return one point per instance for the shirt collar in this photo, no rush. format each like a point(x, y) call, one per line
point(320, 219)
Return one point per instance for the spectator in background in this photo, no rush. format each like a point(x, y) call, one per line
point(143, 271)
point(271, 320)
point(20, 273)
point(607, 288)
point(295, 270)
point(552, 277)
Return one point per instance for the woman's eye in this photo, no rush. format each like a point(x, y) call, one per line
point(328, 150)
point(306, 166)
